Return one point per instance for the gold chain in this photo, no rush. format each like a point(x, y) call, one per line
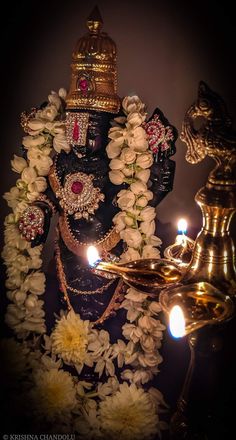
point(113, 305)
point(62, 277)
point(88, 292)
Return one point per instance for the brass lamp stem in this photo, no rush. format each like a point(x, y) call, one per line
point(213, 258)
point(179, 422)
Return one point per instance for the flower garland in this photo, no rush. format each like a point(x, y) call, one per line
point(55, 395)
point(131, 162)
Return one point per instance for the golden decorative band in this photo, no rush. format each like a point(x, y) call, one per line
point(105, 244)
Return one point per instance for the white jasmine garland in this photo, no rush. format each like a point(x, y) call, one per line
point(131, 160)
point(56, 395)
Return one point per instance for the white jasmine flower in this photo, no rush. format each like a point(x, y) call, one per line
point(144, 160)
point(148, 228)
point(150, 252)
point(9, 253)
point(49, 112)
point(35, 283)
point(147, 214)
point(20, 208)
point(138, 187)
point(40, 159)
point(19, 297)
point(119, 221)
point(54, 99)
point(134, 295)
point(129, 220)
point(154, 307)
point(38, 186)
point(13, 238)
point(36, 125)
point(99, 342)
point(132, 237)
point(148, 194)
point(60, 143)
point(128, 172)
point(54, 395)
point(12, 197)
point(29, 175)
point(33, 141)
point(107, 388)
point(149, 359)
point(125, 354)
point(131, 332)
point(15, 278)
point(137, 139)
point(143, 175)
point(154, 241)
point(135, 119)
point(18, 164)
point(147, 323)
point(22, 263)
point(138, 376)
point(142, 376)
point(134, 309)
point(133, 104)
point(116, 177)
point(62, 93)
point(105, 363)
point(126, 199)
point(117, 135)
point(14, 315)
point(128, 156)
point(130, 255)
point(31, 302)
point(128, 415)
point(147, 343)
point(116, 164)
point(113, 150)
point(70, 340)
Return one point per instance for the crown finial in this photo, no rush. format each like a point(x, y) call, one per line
point(94, 21)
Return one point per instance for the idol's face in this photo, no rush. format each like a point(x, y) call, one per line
point(88, 129)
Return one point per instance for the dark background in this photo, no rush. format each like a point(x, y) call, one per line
point(164, 50)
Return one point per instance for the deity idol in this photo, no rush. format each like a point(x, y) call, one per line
point(79, 187)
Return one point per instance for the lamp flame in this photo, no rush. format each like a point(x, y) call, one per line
point(93, 256)
point(182, 226)
point(177, 322)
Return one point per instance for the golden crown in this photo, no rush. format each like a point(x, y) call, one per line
point(94, 74)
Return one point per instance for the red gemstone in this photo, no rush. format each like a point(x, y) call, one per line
point(77, 187)
point(32, 216)
point(83, 85)
point(76, 131)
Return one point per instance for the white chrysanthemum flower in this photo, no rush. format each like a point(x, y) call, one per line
point(54, 394)
point(70, 340)
point(128, 415)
